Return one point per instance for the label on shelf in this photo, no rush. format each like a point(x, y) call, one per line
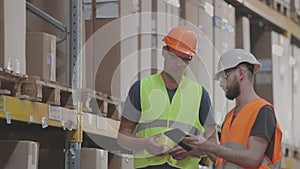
point(31, 119)
point(8, 119)
point(44, 124)
point(70, 125)
point(63, 123)
point(68, 114)
point(55, 113)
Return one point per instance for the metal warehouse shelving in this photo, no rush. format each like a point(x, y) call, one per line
point(46, 115)
point(48, 104)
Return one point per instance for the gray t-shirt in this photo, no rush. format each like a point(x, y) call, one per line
point(265, 124)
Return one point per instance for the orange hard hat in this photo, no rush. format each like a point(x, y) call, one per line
point(183, 40)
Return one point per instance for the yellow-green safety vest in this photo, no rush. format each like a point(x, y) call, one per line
point(159, 115)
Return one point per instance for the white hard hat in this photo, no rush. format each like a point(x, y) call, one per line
point(233, 58)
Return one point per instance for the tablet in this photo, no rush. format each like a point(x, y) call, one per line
point(177, 136)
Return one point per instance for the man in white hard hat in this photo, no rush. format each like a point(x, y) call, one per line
point(250, 136)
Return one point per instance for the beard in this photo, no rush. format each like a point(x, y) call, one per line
point(233, 91)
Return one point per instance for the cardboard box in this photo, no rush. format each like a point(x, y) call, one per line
point(12, 35)
point(41, 52)
point(18, 154)
point(92, 158)
point(124, 161)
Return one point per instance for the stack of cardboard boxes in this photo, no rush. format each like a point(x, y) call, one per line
point(124, 161)
point(12, 35)
point(92, 158)
point(24, 53)
point(17, 154)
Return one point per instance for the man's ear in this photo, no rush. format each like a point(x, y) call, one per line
point(164, 51)
point(242, 72)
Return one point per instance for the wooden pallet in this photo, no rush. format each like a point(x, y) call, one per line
point(89, 101)
point(10, 82)
point(111, 106)
point(100, 104)
point(35, 89)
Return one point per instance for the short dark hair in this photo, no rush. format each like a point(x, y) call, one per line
point(249, 66)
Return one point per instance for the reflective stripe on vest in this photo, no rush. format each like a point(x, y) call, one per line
point(172, 124)
point(272, 166)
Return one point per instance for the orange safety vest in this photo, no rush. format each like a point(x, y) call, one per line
point(236, 135)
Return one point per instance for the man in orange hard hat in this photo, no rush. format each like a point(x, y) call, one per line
point(250, 137)
point(165, 101)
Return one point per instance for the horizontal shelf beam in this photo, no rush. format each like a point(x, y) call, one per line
point(39, 113)
point(32, 112)
point(278, 19)
point(45, 16)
